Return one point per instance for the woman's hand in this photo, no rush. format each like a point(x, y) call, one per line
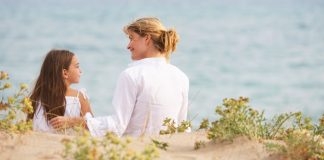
point(61, 122)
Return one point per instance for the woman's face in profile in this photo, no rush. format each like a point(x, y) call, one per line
point(136, 46)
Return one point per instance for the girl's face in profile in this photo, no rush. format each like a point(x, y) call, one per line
point(137, 46)
point(72, 75)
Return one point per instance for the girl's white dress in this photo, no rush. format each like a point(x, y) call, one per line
point(73, 109)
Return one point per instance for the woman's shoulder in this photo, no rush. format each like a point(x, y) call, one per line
point(178, 71)
point(130, 72)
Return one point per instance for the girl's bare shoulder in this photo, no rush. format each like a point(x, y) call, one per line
point(72, 92)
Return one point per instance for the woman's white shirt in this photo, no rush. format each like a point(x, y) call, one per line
point(147, 92)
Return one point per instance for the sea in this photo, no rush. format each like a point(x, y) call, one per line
point(271, 51)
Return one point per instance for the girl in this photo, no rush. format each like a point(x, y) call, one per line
point(150, 89)
point(52, 95)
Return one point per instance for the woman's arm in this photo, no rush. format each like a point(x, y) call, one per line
point(123, 102)
point(62, 122)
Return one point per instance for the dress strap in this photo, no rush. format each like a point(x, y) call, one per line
point(84, 93)
point(78, 93)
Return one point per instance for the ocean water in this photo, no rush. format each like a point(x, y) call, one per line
point(271, 51)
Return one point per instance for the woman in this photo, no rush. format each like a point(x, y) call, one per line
point(150, 89)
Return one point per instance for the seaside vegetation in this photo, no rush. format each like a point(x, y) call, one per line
point(171, 128)
point(85, 147)
point(288, 135)
point(13, 108)
point(302, 139)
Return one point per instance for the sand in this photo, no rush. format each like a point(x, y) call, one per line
point(35, 145)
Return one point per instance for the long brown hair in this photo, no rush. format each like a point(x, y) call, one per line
point(165, 40)
point(50, 88)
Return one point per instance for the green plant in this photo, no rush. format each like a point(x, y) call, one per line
point(85, 147)
point(236, 118)
point(161, 145)
point(302, 139)
point(171, 127)
point(275, 147)
point(299, 144)
point(319, 129)
point(275, 129)
point(199, 144)
point(204, 124)
point(184, 126)
point(13, 105)
point(303, 144)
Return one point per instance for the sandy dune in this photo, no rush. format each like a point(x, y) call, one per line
point(34, 145)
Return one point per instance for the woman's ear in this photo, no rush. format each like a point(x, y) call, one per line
point(65, 74)
point(147, 39)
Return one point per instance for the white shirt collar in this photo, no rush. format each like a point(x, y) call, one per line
point(152, 60)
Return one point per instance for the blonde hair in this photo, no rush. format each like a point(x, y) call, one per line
point(165, 40)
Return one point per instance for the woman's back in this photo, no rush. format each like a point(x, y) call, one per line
point(161, 93)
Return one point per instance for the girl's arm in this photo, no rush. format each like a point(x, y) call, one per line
point(85, 105)
point(62, 122)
